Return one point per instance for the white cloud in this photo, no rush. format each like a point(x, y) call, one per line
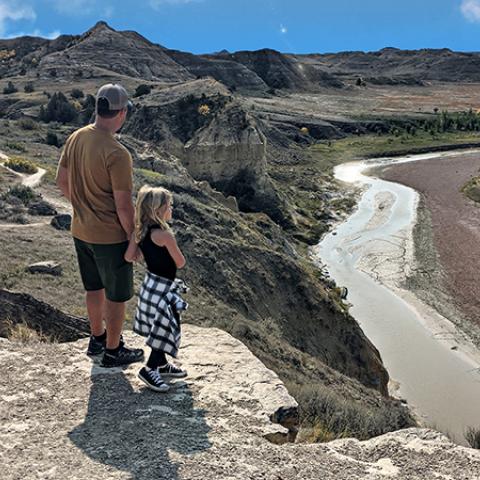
point(73, 7)
point(108, 11)
point(11, 10)
point(157, 4)
point(471, 10)
point(283, 29)
point(36, 33)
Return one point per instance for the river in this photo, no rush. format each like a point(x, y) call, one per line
point(370, 253)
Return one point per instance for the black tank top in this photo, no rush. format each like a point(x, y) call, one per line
point(158, 259)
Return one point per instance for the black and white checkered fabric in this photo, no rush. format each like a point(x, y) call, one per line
point(157, 316)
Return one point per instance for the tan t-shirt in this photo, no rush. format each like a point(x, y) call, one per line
point(97, 165)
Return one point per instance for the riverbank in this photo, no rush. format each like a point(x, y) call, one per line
point(445, 240)
point(432, 364)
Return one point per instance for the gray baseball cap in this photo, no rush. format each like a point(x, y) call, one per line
point(116, 96)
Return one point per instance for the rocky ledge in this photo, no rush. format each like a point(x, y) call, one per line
point(62, 416)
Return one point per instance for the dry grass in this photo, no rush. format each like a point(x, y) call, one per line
point(472, 436)
point(325, 416)
point(24, 333)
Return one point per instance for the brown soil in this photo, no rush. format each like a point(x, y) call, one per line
point(455, 223)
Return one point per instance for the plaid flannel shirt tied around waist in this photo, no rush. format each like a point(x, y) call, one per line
point(157, 316)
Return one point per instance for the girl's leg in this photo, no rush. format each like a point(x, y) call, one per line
point(157, 358)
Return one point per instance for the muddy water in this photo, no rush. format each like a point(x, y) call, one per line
point(441, 384)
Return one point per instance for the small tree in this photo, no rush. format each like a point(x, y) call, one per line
point(77, 93)
point(52, 139)
point(88, 109)
point(10, 88)
point(29, 88)
point(58, 109)
point(142, 90)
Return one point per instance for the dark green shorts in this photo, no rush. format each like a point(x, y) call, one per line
point(102, 266)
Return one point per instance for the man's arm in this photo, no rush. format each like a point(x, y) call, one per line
point(125, 210)
point(62, 181)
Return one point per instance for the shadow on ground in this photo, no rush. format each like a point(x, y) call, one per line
point(134, 431)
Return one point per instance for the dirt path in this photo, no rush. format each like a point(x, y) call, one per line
point(32, 181)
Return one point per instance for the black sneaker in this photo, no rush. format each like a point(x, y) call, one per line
point(124, 356)
point(95, 347)
point(171, 370)
point(153, 380)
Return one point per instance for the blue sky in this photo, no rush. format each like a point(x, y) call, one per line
point(300, 26)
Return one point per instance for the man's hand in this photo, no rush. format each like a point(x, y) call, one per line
point(125, 210)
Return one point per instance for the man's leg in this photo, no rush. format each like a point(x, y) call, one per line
point(117, 278)
point(94, 295)
point(114, 318)
point(95, 300)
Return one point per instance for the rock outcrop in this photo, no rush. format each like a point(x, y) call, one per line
point(230, 153)
point(62, 416)
point(21, 308)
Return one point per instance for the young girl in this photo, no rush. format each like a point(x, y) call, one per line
point(157, 316)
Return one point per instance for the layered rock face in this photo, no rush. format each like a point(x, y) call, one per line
point(216, 139)
point(230, 73)
point(391, 65)
point(230, 153)
point(229, 146)
point(62, 416)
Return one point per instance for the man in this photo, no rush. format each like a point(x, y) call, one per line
point(95, 173)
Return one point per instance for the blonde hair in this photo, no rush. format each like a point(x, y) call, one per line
point(149, 201)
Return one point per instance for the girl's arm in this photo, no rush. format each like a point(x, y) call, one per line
point(133, 252)
point(167, 239)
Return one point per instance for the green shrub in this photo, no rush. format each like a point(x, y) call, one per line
point(77, 93)
point(29, 88)
point(15, 146)
point(472, 189)
point(21, 165)
point(28, 124)
point(52, 139)
point(88, 109)
point(25, 194)
point(58, 109)
point(10, 88)
point(142, 90)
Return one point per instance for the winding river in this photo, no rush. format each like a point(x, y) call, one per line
point(369, 253)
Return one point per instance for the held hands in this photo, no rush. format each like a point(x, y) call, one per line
point(134, 256)
point(133, 253)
